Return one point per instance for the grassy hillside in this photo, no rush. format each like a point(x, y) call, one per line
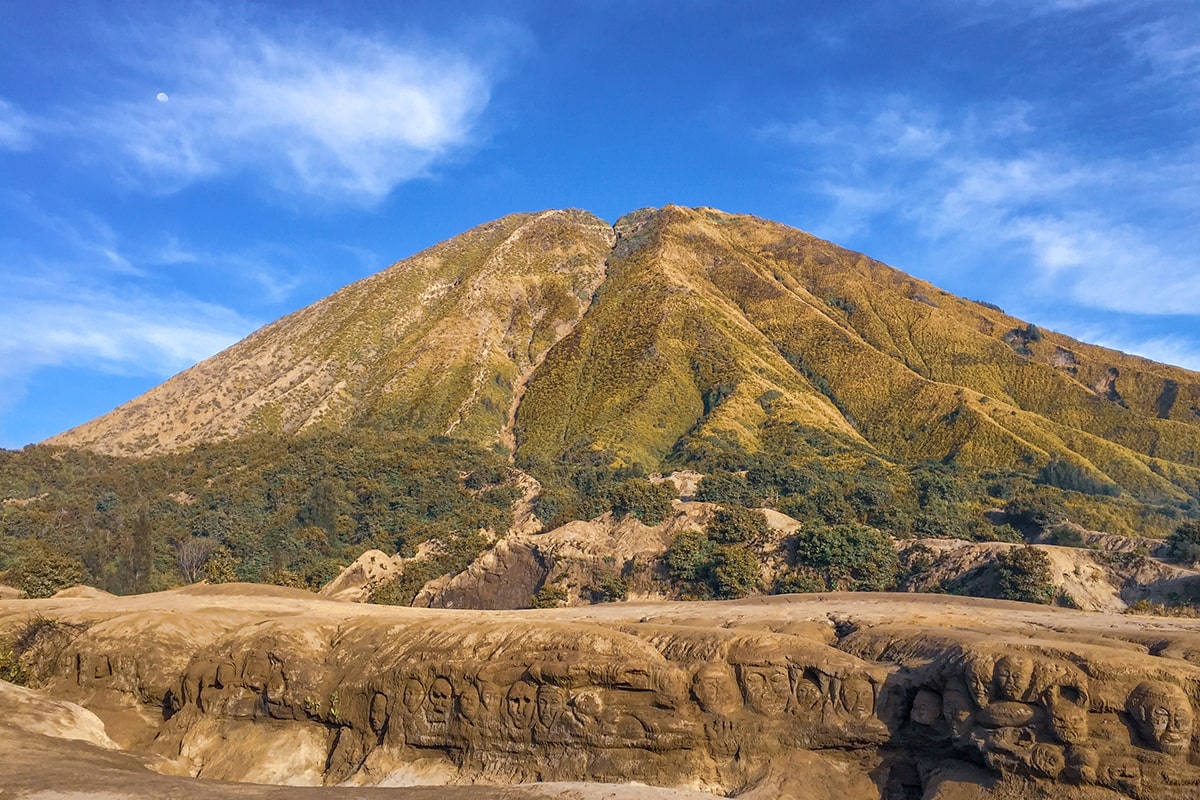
point(711, 326)
point(434, 344)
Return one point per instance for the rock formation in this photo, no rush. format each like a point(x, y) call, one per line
point(888, 696)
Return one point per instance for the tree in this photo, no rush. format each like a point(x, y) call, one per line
point(726, 488)
point(1023, 573)
point(1184, 542)
point(1039, 508)
point(191, 554)
point(141, 556)
point(638, 497)
point(43, 570)
point(738, 525)
point(733, 572)
point(550, 595)
point(321, 508)
point(706, 568)
point(689, 556)
point(851, 557)
point(221, 566)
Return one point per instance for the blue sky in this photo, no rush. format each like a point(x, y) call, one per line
point(174, 175)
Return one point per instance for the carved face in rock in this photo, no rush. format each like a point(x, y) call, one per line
point(716, 689)
point(958, 710)
point(469, 703)
point(807, 690)
point(1011, 677)
point(379, 714)
point(767, 689)
point(1068, 709)
point(858, 697)
point(1162, 715)
point(520, 704)
point(588, 705)
point(926, 707)
point(441, 701)
point(1048, 760)
point(551, 702)
point(414, 695)
point(257, 670)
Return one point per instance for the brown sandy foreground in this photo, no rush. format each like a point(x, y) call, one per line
point(253, 691)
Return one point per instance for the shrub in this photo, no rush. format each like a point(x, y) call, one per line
point(703, 568)
point(936, 526)
point(1023, 573)
point(1065, 536)
point(738, 525)
point(688, 557)
point(221, 566)
point(851, 557)
point(726, 488)
point(734, 572)
point(638, 497)
point(554, 506)
point(47, 634)
point(11, 669)
point(1003, 533)
point(550, 595)
point(43, 570)
point(609, 587)
point(800, 580)
point(1038, 508)
point(1184, 542)
point(937, 485)
point(776, 477)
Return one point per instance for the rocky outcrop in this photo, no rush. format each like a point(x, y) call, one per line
point(889, 696)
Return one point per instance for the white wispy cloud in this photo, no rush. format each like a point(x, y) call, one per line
point(990, 184)
point(16, 127)
point(1129, 336)
point(1179, 350)
point(325, 113)
point(1170, 46)
point(85, 296)
point(130, 334)
point(84, 235)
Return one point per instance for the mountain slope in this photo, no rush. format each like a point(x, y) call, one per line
point(710, 334)
point(436, 344)
point(712, 328)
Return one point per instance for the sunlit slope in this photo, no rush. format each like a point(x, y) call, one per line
point(662, 353)
point(436, 344)
point(712, 324)
point(674, 337)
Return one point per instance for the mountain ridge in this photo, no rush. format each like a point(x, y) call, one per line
point(673, 336)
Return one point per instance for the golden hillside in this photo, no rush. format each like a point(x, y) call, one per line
point(437, 343)
point(707, 332)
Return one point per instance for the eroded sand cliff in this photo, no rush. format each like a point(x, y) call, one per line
point(813, 696)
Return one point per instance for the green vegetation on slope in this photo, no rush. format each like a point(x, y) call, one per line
point(262, 508)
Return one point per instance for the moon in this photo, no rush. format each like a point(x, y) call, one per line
point(161, 97)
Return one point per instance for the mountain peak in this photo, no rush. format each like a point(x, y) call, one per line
point(676, 335)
